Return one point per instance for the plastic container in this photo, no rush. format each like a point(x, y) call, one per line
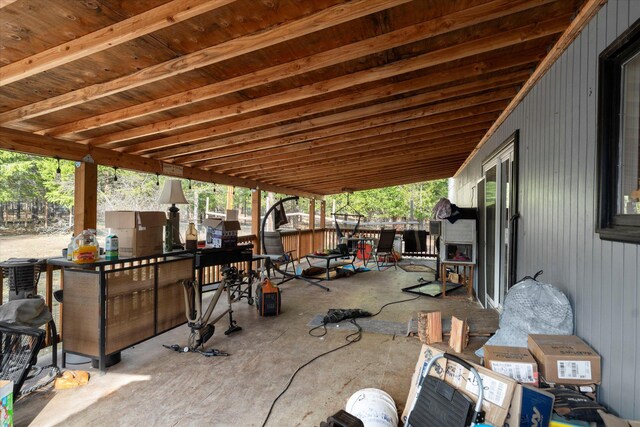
point(111, 246)
point(374, 407)
point(192, 237)
point(86, 248)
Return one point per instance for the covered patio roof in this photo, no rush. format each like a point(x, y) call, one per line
point(298, 97)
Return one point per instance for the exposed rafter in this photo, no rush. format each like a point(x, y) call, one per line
point(139, 25)
point(280, 95)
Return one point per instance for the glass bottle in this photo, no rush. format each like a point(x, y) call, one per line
point(168, 236)
point(192, 237)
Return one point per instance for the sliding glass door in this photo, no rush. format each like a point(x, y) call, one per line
point(498, 222)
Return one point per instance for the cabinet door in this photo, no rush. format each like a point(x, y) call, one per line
point(130, 307)
point(171, 308)
point(81, 313)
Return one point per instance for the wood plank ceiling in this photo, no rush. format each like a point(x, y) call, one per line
point(308, 97)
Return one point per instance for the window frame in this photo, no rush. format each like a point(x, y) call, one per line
point(610, 225)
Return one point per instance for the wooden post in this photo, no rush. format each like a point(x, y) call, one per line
point(323, 225)
point(312, 223)
point(48, 300)
point(230, 197)
point(85, 197)
point(256, 215)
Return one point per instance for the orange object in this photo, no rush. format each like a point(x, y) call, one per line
point(366, 253)
point(268, 299)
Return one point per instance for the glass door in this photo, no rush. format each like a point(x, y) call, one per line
point(496, 220)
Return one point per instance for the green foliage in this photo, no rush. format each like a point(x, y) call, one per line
point(393, 203)
point(30, 178)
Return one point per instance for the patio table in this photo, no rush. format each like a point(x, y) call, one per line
point(332, 257)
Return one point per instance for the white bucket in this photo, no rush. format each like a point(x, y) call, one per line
point(374, 407)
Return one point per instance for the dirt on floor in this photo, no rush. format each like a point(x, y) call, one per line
point(32, 246)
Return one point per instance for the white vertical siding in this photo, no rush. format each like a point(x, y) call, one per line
point(557, 198)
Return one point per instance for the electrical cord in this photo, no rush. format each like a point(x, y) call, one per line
point(357, 336)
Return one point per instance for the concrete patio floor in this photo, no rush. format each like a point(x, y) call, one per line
point(156, 386)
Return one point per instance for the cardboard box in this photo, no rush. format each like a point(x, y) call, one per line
point(426, 354)
point(221, 233)
point(139, 233)
point(498, 389)
point(6, 402)
point(565, 359)
point(530, 407)
point(613, 421)
point(514, 362)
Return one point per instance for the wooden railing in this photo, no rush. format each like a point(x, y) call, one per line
point(301, 241)
point(331, 241)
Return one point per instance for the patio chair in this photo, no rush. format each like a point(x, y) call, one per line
point(278, 257)
point(385, 250)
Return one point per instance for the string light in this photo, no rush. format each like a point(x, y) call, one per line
point(58, 170)
point(158, 179)
point(115, 174)
point(189, 183)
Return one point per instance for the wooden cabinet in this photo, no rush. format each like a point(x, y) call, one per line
point(112, 305)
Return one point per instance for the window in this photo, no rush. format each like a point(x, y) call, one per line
point(619, 139)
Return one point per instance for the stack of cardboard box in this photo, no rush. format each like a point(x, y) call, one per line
point(511, 376)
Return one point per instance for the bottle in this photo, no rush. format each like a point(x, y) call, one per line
point(70, 248)
point(168, 236)
point(111, 246)
point(192, 237)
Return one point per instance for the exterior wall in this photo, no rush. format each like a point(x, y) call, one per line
point(557, 199)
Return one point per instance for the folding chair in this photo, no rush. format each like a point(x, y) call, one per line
point(385, 249)
point(274, 248)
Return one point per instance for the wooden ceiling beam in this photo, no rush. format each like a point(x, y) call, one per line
point(25, 142)
point(137, 26)
point(5, 3)
point(474, 47)
point(360, 113)
point(418, 148)
point(268, 161)
point(587, 11)
point(230, 49)
point(378, 175)
point(447, 23)
point(237, 164)
point(353, 98)
point(529, 32)
point(381, 177)
point(347, 132)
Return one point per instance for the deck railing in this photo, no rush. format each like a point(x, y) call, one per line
point(300, 241)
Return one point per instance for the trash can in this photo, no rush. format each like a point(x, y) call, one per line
point(22, 275)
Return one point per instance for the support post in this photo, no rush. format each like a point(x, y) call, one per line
point(85, 197)
point(323, 225)
point(256, 198)
point(312, 223)
point(230, 197)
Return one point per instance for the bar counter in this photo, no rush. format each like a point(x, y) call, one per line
point(110, 305)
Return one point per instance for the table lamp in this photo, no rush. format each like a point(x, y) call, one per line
point(172, 194)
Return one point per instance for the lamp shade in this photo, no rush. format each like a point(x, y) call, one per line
point(172, 193)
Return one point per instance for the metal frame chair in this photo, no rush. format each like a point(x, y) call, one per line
point(385, 248)
point(274, 248)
